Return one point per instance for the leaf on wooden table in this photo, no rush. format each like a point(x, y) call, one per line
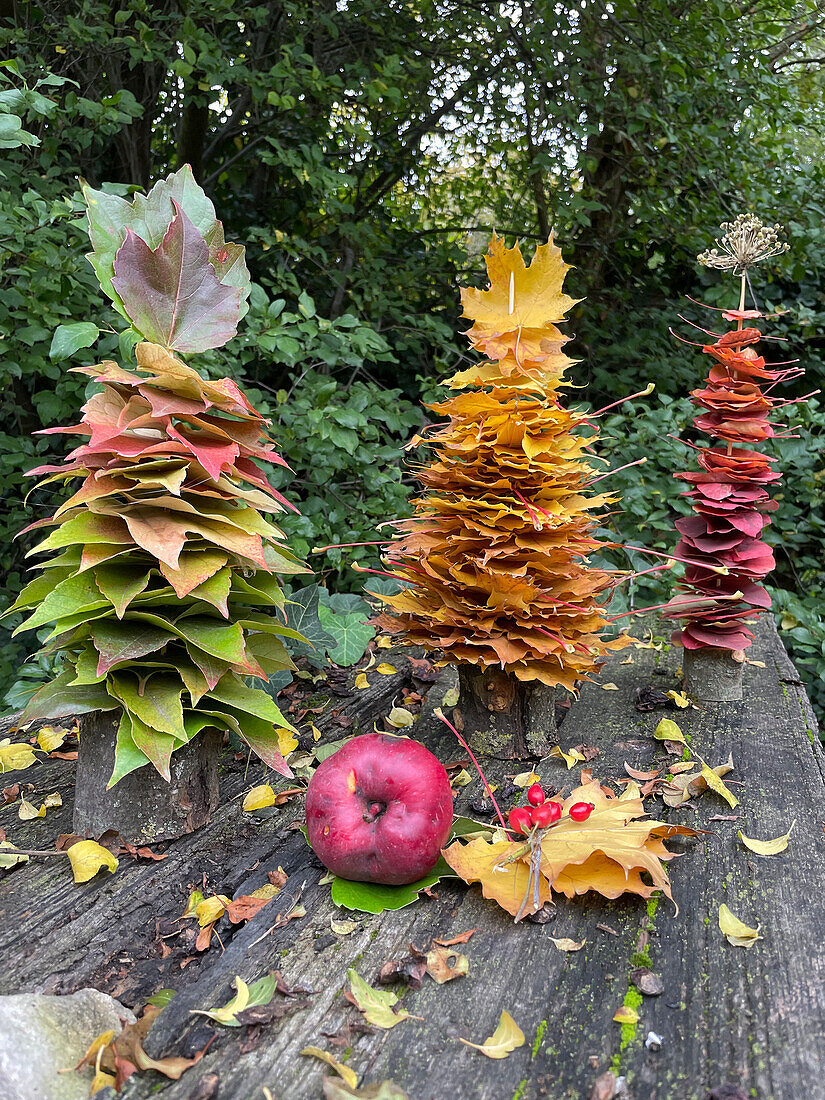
point(626, 1015)
point(735, 931)
point(27, 811)
point(343, 927)
point(260, 992)
point(564, 944)
point(87, 857)
point(504, 1040)
point(714, 781)
point(570, 758)
point(10, 859)
point(15, 756)
point(349, 1075)
point(210, 909)
point(679, 698)
point(668, 730)
point(385, 669)
point(374, 897)
point(376, 1005)
point(767, 847)
point(361, 681)
point(400, 718)
point(441, 969)
point(50, 738)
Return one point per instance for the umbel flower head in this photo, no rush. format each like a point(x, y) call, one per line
point(745, 242)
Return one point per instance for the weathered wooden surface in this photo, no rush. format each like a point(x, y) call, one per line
point(141, 807)
point(752, 1017)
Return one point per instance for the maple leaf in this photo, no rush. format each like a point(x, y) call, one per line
point(608, 853)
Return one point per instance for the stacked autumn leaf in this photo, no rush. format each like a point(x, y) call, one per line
point(160, 592)
point(722, 540)
point(494, 561)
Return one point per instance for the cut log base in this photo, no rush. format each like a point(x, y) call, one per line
point(503, 716)
point(712, 675)
point(143, 807)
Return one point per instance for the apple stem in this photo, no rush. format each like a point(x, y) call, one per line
point(439, 713)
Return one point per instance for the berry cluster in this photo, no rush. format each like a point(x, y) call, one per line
point(541, 814)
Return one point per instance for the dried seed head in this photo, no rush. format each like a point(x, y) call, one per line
point(745, 242)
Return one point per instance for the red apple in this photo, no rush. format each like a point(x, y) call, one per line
point(379, 810)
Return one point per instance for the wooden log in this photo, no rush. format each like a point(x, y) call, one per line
point(712, 675)
point(503, 716)
point(142, 807)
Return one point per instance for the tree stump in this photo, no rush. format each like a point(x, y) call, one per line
point(143, 807)
point(713, 675)
point(503, 716)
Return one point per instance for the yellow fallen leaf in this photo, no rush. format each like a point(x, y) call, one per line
point(316, 733)
point(385, 669)
point(679, 698)
point(50, 738)
point(361, 681)
point(269, 890)
point(667, 730)
point(28, 812)
point(348, 1074)
point(259, 798)
point(565, 944)
point(504, 1040)
point(400, 718)
point(450, 698)
point(441, 969)
point(767, 847)
point(626, 1015)
point(343, 927)
point(461, 779)
point(609, 687)
point(570, 758)
point(375, 1004)
point(210, 909)
point(195, 898)
point(384, 641)
point(756, 664)
point(7, 861)
point(526, 779)
point(52, 800)
point(715, 783)
point(15, 756)
point(87, 857)
point(101, 1080)
point(735, 931)
point(287, 742)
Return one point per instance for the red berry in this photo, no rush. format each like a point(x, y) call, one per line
point(535, 795)
point(580, 811)
point(555, 810)
point(520, 820)
point(543, 815)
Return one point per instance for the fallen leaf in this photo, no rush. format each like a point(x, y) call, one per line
point(504, 1040)
point(361, 681)
point(714, 781)
point(667, 730)
point(210, 909)
point(50, 738)
point(316, 733)
point(462, 937)
point(641, 776)
point(287, 742)
point(767, 847)
point(461, 779)
point(10, 794)
point(343, 927)
point(735, 931)
point(564, 944)
point(259, 993)
point(400, 718)
point(87, 858)
point(15, 756)
point(441, 969)
point(570, 758)
point(259, 798)
point(409, 970)
point(27, 811)
point(11, 860)
point(609, 687)
point(343, 1071)
point(679, 698)
point(626, 1015)
point(604, 1087)
point(384, 641)
point(374, 1004)
point(450, 698)
point(385, 669)
point(527, 779)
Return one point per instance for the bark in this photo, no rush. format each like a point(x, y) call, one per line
point(142, 807)
point(504, 717)
point(712, 675)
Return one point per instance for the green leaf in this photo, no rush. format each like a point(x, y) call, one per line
point(59, 698)
point(120, 583)
point(302, 616)
point(158, 705)
point(68, 339)
point(373, 897)
point(77, 594)
point(233, 692)
point(117, 642)
point(351, 632)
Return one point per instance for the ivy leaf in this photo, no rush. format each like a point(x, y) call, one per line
point(302, 614)
point(171, 293)
point(352, 634)
point(68, 339)
point(504, 1040)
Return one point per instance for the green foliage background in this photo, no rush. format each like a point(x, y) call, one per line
point(364, 151)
